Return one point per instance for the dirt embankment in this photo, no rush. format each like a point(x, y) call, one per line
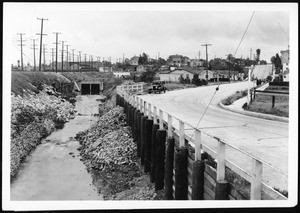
point(110, 154)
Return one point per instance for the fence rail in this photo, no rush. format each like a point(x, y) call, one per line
point(180, 127)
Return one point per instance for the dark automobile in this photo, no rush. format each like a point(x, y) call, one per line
point(157, 87)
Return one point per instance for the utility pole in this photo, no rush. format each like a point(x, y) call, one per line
point(67, 56)
point(56, 55)
point(250, 54)
point(158, 55)
point(85, 61)
point(34, 48)
point(41, 40)
point(206, 60)
point(62, 55)
point(44, 51)
point(52, 54)
point(199, 55)
point(79, 60)
point(73, 59)
point(21, 34)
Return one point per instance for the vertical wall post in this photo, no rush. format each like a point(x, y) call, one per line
point(154, 115)
point(256, 185)
point(149, 111)
point(170, 133)
point(198, 170)
point(161, 120)
point(181, 134)
point(221, 189)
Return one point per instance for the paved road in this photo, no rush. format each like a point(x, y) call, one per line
point(265, 139)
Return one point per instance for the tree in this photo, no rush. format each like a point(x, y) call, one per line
point(257, 55)
point(161, 61)
point(143, 59)
point(277, 63)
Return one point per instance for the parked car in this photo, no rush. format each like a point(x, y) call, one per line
point(157, 87)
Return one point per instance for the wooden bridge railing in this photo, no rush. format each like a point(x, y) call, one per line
point(179, 128)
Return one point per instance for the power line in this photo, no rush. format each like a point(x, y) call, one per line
point(21, 34)
point(44, 51)
point(34, 48)
point(23, 54)
point(206, 60)
point(62, 55)
point(41, 41)
point(56, 55)
point(244, 33)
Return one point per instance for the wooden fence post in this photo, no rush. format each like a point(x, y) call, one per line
point(198, 170)
point(161, 120)
point(221, 189)
point(169, 162)
point(256, 179)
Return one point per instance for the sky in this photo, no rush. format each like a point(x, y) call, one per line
point(111, 30)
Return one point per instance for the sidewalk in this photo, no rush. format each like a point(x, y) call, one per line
point(237, 107)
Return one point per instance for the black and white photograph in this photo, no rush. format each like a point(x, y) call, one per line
point(149, 105)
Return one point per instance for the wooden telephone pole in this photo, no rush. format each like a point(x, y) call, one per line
point(206, 60)
point(21, 40)
point(41, 40)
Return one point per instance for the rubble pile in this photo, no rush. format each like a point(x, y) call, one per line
point(110, 154)
point(33, 117)
point(108, 143)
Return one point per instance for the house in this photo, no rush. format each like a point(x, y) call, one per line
point(174, 75)
point(196, 63)
point(141, 68)
point(285, 58)
point(233, 75)
point(134, 61)
point(121, 74)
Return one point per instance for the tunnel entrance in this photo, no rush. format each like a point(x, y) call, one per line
point(85, 89)
point(95, 89)
point(91, 87)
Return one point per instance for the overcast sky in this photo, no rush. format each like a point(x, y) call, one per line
point(109, 30)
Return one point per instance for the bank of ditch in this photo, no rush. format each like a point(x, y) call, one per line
point(33, 117)
point(110, 155)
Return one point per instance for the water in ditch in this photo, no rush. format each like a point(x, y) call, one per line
point(54, 170)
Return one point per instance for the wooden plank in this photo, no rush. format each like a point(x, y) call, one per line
point(230, 197)
point(211, 171)
point(236, 194)
point(256, 184)
point(207, 197)
point(210, 179)
point(208, 191)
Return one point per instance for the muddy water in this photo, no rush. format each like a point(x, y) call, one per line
point(54, 170)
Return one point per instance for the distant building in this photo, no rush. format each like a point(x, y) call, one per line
point(196, 63)
point(121, 74)
point(285, 58)
point(174, 75)
point(141, 68)
point(261, 72)
point(134, 61)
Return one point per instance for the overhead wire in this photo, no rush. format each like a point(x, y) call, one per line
point(244, 34)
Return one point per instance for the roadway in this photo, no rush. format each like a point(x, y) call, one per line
point(265, 139)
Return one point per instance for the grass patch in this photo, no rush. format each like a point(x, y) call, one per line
point(263, 104)
point(238, 95)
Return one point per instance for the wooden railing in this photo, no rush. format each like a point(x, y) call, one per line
point(179, 127)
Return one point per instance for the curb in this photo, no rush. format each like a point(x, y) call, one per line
point(255, 114)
